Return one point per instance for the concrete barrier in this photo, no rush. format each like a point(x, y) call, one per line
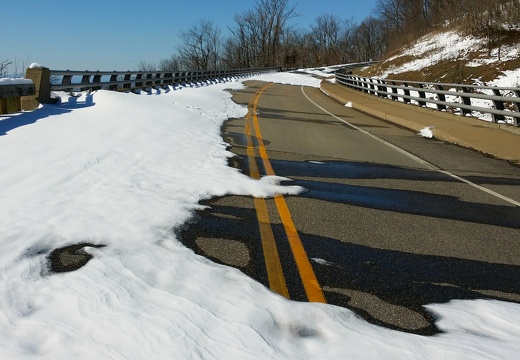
point(11, 92)
point(41, 78)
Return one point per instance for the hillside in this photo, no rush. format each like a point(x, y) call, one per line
point(450, 56)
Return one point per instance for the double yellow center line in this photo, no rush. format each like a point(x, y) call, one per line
point(272, 259)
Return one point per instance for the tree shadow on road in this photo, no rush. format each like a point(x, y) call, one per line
point(396, 279)
point(397, 200)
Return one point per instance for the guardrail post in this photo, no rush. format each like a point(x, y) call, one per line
point(113, 77)
point(516, 120)
point(341, 80)
point(407, 93)
point(356, 82)
point(127, 78)
point(380, 88)
point(422, 95)
point(148, 83)
point(499, 105)
point(158, 81)
point(365, 85)
point(371, 85)
point(441, 97)
point(96, 79)
point(394, 91)
point(176, 79)
point(167, 79)
point(138, 84)
point(466, 100)
point(85, 80)
point(41, 77)
point(206, 76)
point(67, 80)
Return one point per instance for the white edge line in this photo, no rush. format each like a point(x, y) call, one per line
point(423, 162)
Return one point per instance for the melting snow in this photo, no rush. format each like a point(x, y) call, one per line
point(124, 170)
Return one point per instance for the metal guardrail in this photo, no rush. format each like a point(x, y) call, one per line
point(502, 103)
point(344, 69)
point(67, 80)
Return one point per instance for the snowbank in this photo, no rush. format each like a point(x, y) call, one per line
point(8, 81)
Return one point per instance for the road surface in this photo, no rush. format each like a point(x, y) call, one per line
point(389, 221)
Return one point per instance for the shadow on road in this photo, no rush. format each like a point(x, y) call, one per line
point(386, 287)
point(402, 201)
point(397, 279)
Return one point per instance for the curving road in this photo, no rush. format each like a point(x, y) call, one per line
point(389, 222)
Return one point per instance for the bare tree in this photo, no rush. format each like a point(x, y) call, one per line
point(259, 33)
point(274, 16)
point(233, 56)
point(201, 46)
point(303, 45)
point(347, 43)
point(264, 35)
point(170, 64)
point(369, 39)
point(20, 66)
point(146, 66)
point(290, 51)
point(393, 12)
point(326, 33)
point(3, 68)
point(405, 20)
point(243, 48)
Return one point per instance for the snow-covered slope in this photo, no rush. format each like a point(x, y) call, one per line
point(451, 56)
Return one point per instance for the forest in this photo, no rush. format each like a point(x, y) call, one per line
point(266, 34)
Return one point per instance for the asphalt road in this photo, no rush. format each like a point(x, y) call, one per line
point(385, 229)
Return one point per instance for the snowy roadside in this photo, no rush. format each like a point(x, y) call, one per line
point(125, 170)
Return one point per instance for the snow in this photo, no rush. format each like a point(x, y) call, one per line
point(507, 52)
point(426, 132)
point(9, 81)
point(291, 79)
point(510, 78)
point(432, 49)
point(125, 170)
point(450, 45)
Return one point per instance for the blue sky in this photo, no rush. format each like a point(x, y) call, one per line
point(117, 34)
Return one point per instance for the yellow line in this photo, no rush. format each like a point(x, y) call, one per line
point(309, 280)
point(272, 259)
point(253, 168)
